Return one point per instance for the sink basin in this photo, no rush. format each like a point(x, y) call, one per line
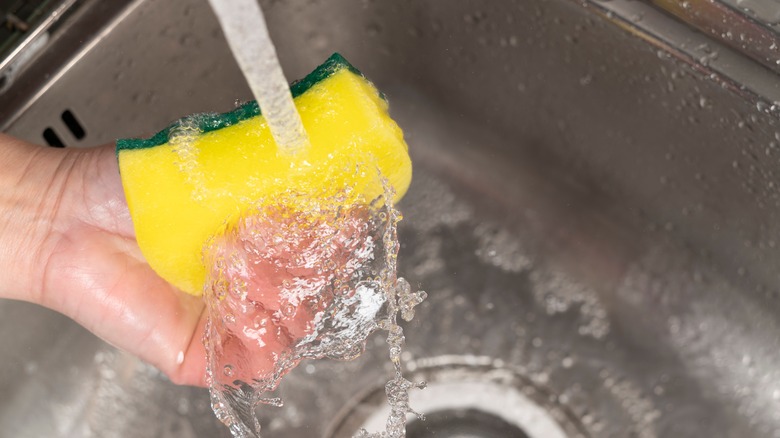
point(595, 216)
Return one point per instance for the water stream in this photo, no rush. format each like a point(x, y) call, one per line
point(243, 24)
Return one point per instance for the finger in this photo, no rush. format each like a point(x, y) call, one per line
point(102, 282)
point(190, 367)
point(249, 347)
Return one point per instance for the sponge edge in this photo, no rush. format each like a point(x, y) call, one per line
point(180, 195)
point(208, 122)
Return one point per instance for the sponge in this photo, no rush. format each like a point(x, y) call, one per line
point(190, 180)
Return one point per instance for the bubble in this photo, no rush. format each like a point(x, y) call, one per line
point(288, 310)
point(259, 321)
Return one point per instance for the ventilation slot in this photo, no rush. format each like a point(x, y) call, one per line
point(52, 139)
point(73, 124)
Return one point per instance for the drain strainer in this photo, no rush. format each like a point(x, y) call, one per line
point(466, 397)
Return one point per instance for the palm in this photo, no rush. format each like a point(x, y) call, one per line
point(91, 269)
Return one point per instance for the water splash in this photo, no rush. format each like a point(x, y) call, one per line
point(402, 300)
point(303, 276)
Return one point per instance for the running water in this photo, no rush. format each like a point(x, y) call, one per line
point(243, 24)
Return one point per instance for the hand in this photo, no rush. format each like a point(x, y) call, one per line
point(67, 243)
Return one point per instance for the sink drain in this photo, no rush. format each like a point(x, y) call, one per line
point(466, 397)
point(469, 423)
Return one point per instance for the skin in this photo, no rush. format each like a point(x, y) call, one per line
point(67, 243)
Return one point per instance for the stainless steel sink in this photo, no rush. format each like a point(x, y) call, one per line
point(595, 215)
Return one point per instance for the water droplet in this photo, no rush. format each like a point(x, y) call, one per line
point(259, 321)
point(187, 40)
point(288, 310)
point(183, 406)
point(373, 29)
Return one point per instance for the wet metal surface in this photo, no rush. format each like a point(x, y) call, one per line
point(592, 219)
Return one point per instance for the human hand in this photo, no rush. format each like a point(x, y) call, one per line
point(67, 243)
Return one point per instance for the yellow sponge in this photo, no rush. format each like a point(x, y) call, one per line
point(187, 182)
